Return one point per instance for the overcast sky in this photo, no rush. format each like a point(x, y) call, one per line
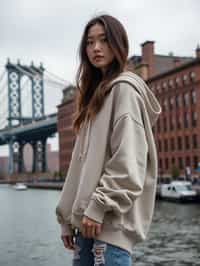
point(50, 31)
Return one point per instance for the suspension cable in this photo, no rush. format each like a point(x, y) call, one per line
point(55, 83)
point(3, 87)
point(2, 75)
point(56, 76)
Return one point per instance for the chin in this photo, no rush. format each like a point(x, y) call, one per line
point(100, 65)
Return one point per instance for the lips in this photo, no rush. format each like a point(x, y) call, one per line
point(98, 57)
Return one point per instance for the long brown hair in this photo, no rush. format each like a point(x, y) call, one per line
point(91, 86)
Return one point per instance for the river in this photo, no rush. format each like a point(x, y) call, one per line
point(30, 235)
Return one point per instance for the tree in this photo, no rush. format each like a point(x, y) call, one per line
point(175, 172)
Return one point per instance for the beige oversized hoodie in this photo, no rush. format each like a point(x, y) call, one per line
point(113, 171)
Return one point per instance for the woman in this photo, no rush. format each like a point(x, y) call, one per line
point(107, 201)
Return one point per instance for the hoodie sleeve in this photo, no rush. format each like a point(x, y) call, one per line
point(66, 228)
point(124, 173)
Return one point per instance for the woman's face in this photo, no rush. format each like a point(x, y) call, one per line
point(98, 50)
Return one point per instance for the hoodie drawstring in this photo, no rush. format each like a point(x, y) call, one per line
point(84, 140)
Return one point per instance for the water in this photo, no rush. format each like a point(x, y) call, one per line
point(30, 235)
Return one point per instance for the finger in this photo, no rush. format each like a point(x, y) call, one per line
point(83, 230)
point(66, 242)
point(93, 230)
point(71, 242)
point(90, 229)
point(98, 229)
point(87, 230)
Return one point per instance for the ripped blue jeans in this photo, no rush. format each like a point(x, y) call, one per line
point(92, 252)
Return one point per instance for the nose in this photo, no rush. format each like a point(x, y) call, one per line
point(97, 46)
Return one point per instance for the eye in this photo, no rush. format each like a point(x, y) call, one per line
point(89, 42)
point(104, 40)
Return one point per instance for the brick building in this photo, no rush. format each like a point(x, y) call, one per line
point(3, 166)
point(66, 135)
point(175, 81)
point(176, 84)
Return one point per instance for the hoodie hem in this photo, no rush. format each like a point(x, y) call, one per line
point(114, 236)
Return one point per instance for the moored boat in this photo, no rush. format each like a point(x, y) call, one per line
point(20, 186)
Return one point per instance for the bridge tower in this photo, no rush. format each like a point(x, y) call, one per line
point(35, 74)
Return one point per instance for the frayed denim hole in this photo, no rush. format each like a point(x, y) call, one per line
point(98, 250)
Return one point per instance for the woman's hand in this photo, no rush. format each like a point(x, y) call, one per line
point(90, 228)
point(68, 241)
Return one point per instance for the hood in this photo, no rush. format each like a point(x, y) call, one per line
point(152, 105)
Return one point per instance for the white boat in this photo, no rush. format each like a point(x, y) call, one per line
point(20, 186)
point(178, 191)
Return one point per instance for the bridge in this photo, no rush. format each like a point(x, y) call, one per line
point(22, 113)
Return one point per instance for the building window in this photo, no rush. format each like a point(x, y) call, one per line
point(172, 123)
point(165, 124)
point(165, 105)
point(187, 161)
point(179, 143)
point(186, 99)
point(173, 161)
point(180, 163)
point(187, 142)
point(179, 121)
point(160, 164)
point(192, 76)
point(166, 145)
point(171, 102)
point(186, 120)
point(194, 119)
point(164, 86)
point(194, 141)
point(184, 79)
point(166, 163)
point(170, 83)
point(195, 158)
point(178, 101)
point(177, 80)
point(193, 97)
point(172, 144)
point(158, 125)
point(159, 146)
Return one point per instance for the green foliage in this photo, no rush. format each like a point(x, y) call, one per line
point(55, 174)
point(175, 172)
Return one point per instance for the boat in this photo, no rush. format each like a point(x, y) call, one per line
point(178, 191)
point(20, 186)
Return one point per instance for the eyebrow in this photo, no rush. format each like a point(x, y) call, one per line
point(99, 35)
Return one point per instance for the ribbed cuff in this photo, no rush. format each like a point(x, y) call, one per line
point(66, 229)
point(95, 211)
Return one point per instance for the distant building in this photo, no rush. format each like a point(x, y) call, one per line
point(52, 159)
point(176, 83)
point(3, 166)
